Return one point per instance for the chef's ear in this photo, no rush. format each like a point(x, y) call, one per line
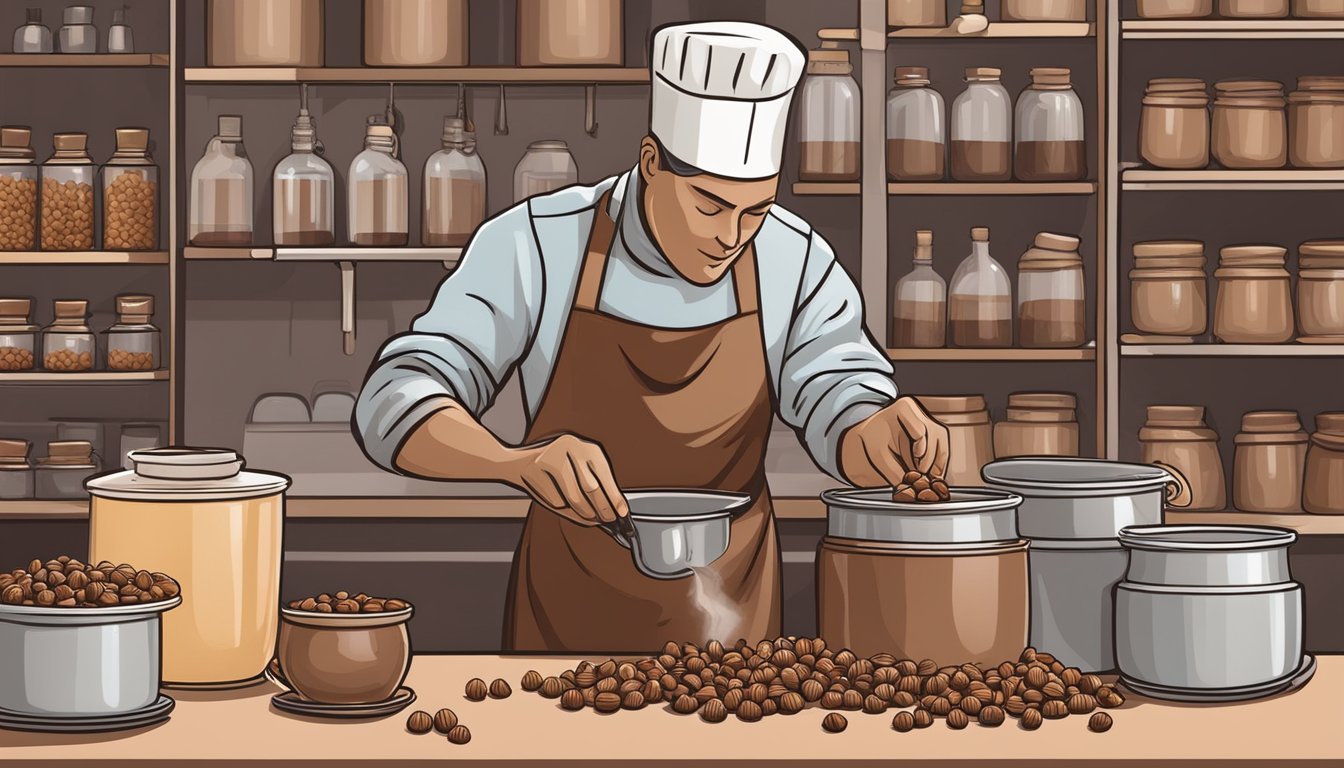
point(649, 161)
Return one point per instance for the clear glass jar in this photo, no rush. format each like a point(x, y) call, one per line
point(982, 128)
point(545, 167)
point(61, 473)
point(133, 342)
point(78, 34)
point(1178, 435)
point(221, 190)
point(120, 36)
point(980, 312)
point(1051, 304)
point(454, 199)
point(378, 191)
point(16, 473)
point(1169, 292)
point(916, 128)
point(1050, 129)
point(33, 37)
point(1255, 302)
point(131, 195)
point(829, 117)
point(303, 188)
point(920, 301)
point(67, 195)
point(68, 344)
point(18, 337)
point(18, 190)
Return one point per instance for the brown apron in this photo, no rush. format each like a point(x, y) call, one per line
point(673, 409)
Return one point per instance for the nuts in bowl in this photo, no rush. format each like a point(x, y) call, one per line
point(344, 602)
point(65, 582)
point(338, 648)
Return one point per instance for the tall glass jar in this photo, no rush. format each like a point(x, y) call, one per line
point(982, 128)
point(78, 35)
point(920, 301)
point(18, 337)
point(981, 310)
point(1050, 133)
point(454, 199)
point(16, 473)
point(18, 190)
point(33, 36)
point(546, 166)
point(221, 190)
point(133, 342)
point(68, 344)
point(1051, 307)
point(131, 195)
point(829, 117)
point(378, 191)
point(916, 128)
point(67, 195)
point(303, 188)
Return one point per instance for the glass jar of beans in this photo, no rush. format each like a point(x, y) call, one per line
point(133, 343)
point(68, 344)
point(67, 195)
point(131, 195)
point(18, 337)
point(18, 191)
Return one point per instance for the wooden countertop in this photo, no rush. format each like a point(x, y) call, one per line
point(240, 728)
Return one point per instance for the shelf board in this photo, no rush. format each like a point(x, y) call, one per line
point(1005, 188)
point(493, 508)
point(141, 60)
point(29, 377)
point(996, 29)
point(429, 75)
point(1306, 524)
point(448, 256)
point(1012, 354)
point(84, 257)
point(28, 509)
point(1257, 29)
point(1232, 350)
point(1226, 180)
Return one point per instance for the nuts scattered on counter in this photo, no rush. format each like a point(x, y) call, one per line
point(129, 206)
point(67, 216)
point(344, 602)
point(459, 735)
point(18, 203)
point(1099, 723)
point(919, 487)
point(532, 681)
point(67, 360)
point(834, 723)
point(499, 689)
point(121, 360)
point(68, 583)
point(905, 722)
point(419, 723)
point(444, 721)
point(15, 358)
point(477, 690)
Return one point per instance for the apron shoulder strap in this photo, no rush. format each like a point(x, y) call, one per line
point(744, 281)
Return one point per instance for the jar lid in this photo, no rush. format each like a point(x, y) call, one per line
point(1252, 272)
point(71, 149)
point(68, 453)
point(134, 309)
point(1047, 415)
point(549, 145)
point(1056, 77)
point(1251, 103)
point(1321, 254)
point(1169, 272)
point(14, 452)
point(16, 144)
point(1235, 86)
point(1316, 97)
point(1248, 255)
point(829, 59)
point(78, 14)
point(1053, 242)
point(1160, 82)
point(912, 75)
point(983, 73)
point(132, 147)
point(70, 309)
point(230, 127)
point(1169, 248)
point(186, 474)
point(1192, 101)
point(1042, 400)
point(1175, 416)
point(940, 404)
point(1321, 82)
point(15, 309)
point(980, 234)
point(1331, 422)
point(1270, 421)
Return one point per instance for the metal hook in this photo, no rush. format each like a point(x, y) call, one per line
point(590, 109)
point(462, 108)
point(501, 115)
point(347, 306)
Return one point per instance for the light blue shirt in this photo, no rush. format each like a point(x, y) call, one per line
point(507, 303)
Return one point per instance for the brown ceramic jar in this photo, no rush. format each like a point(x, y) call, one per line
point(1316, 129)
point(1323, 481)
point(1320, 290)
point(1250, 124)
point(1169, 294)
point(970, 432)
point(1267, 470)
point(1038, 424)
point(1174, 124)
point(344, 658)
point(1177, 435)
point(1254, 303)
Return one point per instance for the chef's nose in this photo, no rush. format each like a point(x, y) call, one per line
point(732, 234)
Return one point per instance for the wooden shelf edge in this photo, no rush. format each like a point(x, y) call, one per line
point(111, 60)
point(29, 509)
point(42, 258)
point(1232, 350)
point(1003, 30)
point(1006, 188)
point(448, 256)
point(1229, 180)
point(1006, 355)
point(1266, 29)
point(434, 75)
point(29, 377)
point(1304, 523)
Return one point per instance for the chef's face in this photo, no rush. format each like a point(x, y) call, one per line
point(701, 223)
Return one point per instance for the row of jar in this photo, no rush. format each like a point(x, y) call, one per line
point(76, 35)
point(1255, 300)
point(68, 344)
point(1037, 424)
point(1252, 124)
point(67, 186)
point(1241, 9)
point(58, 475)
point(1051, 304)
point(1277, 468)
point(1042, 139)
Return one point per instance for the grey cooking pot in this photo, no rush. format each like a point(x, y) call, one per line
point(671, 532)
point(972, 515)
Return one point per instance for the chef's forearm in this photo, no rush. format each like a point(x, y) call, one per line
point(450, 444)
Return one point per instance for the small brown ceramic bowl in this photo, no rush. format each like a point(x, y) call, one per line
point(344, 658)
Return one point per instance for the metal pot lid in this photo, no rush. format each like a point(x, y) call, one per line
point(1205, 538)
point(963, 500)
point(186, 474)
point(683, 505)
point(1074, 477)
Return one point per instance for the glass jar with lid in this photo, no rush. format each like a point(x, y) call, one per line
point(68, 344)
point(454, 199)
point(131, 194)
point(1320, 291)
point(982, 128)
point(16, 473)
point(303, 187)
point(545, 167)
point(67, 195)
point(18, 190)
point(980, 311)
point(1177, 435)
point(78, 34)
point(1267, 470)
point(378, 189)
point(33, 36)
point(1050, 129)
point(18, 337)
point(221, 190)
point(1050, 298)
point(61, 473)
point(829, 117)
point(916, 128)
point(1168, 289)
point(1255, 302)
point(133, 342)
point(920, 301)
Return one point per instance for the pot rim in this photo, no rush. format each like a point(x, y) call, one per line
point(1125, 478)
point(971, 500)
point(1205, 538)
point(316, 620)
point(53, 616)
point(731, 502)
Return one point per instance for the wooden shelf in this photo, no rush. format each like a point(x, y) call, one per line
point(1224, 180)
point(436, 75)
point(1232, 350)
point(1305, 524)
point(448, 256)
point(84, 257)
point(1006, 188)
point(44, 510)
point(996, 29)
point(1256, 29)
point(29, 377)
point(1013, 355)
point(141, 60)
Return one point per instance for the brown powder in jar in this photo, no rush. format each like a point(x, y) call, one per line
point(982, 160)
point(380, 208)
point(130, 212)
point(18, 213)
point(222, 239)
point(299, 207)
point(1051, 323)
point(919, 324)
point(15, 359)
point(981, 321)
point(1050, 160)
point(829, 161)
point(67, 216)
point(915, 160)
point(454, 208)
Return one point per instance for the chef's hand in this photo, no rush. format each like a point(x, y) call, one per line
point(571, 476)
point(879, 450)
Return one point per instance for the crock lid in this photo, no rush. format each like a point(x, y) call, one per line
point(1270, 421)
point(1245, 255)
point(1240, 86)
point(983, 73)
point(1192, 101)
point(1175, 415)
point(1169, 248)
point(936, 404)
point(1068, 477)
point(1321, 248)
point(1202, 538)
point(186, 474)
point(1330, 421)
point(1055, 242)
point(1064, 400)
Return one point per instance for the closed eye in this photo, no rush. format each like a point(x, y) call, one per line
point(712, 212)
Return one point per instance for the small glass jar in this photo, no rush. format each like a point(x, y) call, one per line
point(1175, 9)
point(18, 190)
point(18, 337)
point(133, 342)
point(1038, 424)
point(1316, 129)
point(454, 199)
point(1043, 10)
point(33, 37)
point(1255, 302)
point(1320, 290)
point(970, 435)
point(1253, 9)
point(916, 13)
point(120, 36)
point(378, 189)
point(1250, 124)
point(920, 301)
point(67, 344)
point(221, 190)
point(1174, 128)
point(60, 475)
point(1050, 129)
point(67, 195)
point(545, 167)
point(916, 128)
point(1051, 304)
point(78, 34)
point(1267, 470)
point(1169, 291)
point(980, 312)
point(828, 115)
point(1323, 478)
point(1318, 9)
point(131, 195)
point(982, 128)
point(1177, 435)
point(303, 188)
point(16, 473)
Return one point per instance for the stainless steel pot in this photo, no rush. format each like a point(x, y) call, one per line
point(671, 532)
point(973, 515)
point(77, 662)
point(1207, 608)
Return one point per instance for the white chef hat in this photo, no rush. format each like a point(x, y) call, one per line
point(721, 94)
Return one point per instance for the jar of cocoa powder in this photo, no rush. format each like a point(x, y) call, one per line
point(1254, 303)
point(1318, 9)
point(18, 337)
point(970, 432)
point(1176, 435)
point(67, 195)
point(1316, 129)
point(1267, 470)
point(1253, 9)
point(1250, 125)
point(61, 473)
point(1323, 478)
point(131, 195)
point(982, 128)
point(1175, 9)
point(916, 128)
point(1049, 134)
point(1038, 424)
point(916, 13)
point(1169, 293)
point(379, 195)
point(18, 190)
point(919, 302)
point(1174, 124)
point(829, 117)
point(1043, 10)
point(133, 342)
point(67, 344)
point(1050, 298)
point(16, 473)
point(1320, 290)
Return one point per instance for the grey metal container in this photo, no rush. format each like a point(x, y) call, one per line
point(671, 532)
point(80, 662)
point(971, 516)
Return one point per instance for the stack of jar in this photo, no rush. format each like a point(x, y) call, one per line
point(69, 345)
point(1241, 9)
point(58, 475)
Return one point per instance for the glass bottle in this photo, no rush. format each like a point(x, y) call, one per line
point(829, 117)
point(1050, 299)
point(454, 197)
point(18, 337)
point(68, 344)
point(303, 187)
point(67, 195)
point(133, 342)
point(378, 190)
point(546, 166)
point(981, 311)
point(221, 190)
point(982, 128)
point(120, 37)
point(921, 301)
point(1049, 134)
point(18, 190)
point(78, 34)
point(131, 194)
point(33, 36)
point(916, 128)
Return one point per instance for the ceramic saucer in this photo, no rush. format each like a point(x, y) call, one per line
point(292, 703)
point(151, 715)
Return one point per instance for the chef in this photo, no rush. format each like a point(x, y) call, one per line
point(658, 321)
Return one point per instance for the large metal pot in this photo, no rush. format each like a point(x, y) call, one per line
point(672, 532)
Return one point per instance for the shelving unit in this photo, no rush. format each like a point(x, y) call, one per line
point(1226, 180)
point(448, 256)
point(953, 188)
point(436, 76)
point(41, 258)
point(1232, 350)
point(1229, 29)
point(143, 60)
point(109, 377)
point(995, 30)
point(1086, 354)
